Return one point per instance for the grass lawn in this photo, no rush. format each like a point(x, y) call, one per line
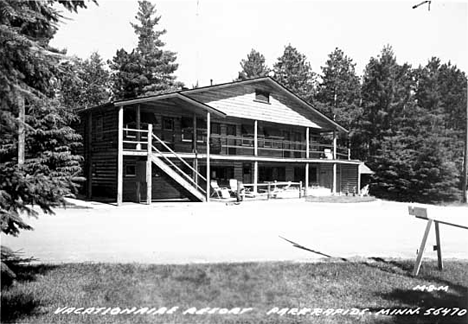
point(264, 292)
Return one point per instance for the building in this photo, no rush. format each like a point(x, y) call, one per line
point(173, 145)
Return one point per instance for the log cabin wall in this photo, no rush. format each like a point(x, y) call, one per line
point(98, 127)
point(349, 178)
point(134, 182)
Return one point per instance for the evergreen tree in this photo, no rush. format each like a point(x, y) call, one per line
point(253, 67)
point(148, 69)
point(338, 93)
point(29, 72)
point(87, 84)
point(420, 159)
point(294, 72)
point(386, 90)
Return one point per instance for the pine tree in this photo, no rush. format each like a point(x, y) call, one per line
point(386, 90)
point(420, 159)
point(253, 67)
point(86, 84)
point(29, 72)
point(148, 69)
point(294, 72)
point(339, 91)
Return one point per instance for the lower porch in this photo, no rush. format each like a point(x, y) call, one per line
point(260, 177)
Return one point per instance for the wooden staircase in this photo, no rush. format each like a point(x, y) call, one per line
point(165, 161)
point(179, 176)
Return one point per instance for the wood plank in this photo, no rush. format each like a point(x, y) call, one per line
point(422, 247)
point(439, 247)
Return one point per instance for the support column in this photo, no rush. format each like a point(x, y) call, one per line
point(359, 179)
point(149, 164)
point(334, 163)
point(255, 179)
point(306, 182)
point(120, 157)
point(208, 171)
point(138, 126)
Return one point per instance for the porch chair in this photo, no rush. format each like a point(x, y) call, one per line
point(221, 193)
point(244, 192)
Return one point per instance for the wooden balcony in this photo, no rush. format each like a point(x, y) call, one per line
point(239, 146)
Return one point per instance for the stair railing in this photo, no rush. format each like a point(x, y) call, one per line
point(180, 171)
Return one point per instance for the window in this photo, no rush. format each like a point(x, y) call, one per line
point(216, 128)
point(99, 128)
point(168, 124)
point(247, 129)
point(129, 116)
point(231, 130)
point(148, 118)
point(187, 128)
point(262, 96)
point(130, 171)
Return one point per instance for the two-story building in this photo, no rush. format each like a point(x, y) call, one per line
point(171, 146)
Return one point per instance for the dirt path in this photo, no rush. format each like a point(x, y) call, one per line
point(215, 232)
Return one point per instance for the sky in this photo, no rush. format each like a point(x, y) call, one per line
point(212, 37)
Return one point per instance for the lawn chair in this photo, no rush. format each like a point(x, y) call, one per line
point(233, 186)
point(221, 193)
point(365, 191)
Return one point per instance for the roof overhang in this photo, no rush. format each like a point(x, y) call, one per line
point(364, 169)
point(168, 96)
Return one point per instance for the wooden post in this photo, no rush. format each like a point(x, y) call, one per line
point(334, 164)
point(417, 266)
point(306, 181)
point(138, 126)
point(438, 246)
point(149, 174)
point(89, 155)
point(120, 157)
point(208, 175)
point(359, 179)
point(300, 189)
point(256, 138)
point(21, 131)
point(268, 192)
point(255, 179)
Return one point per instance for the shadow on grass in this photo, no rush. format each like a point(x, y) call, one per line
point(15, 303)
point(428, 302)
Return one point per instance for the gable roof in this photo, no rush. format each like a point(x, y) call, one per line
point(302, 115)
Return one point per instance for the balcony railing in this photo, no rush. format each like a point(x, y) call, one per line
point(238, 146)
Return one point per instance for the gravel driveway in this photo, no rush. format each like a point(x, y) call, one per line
point(216, 232)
